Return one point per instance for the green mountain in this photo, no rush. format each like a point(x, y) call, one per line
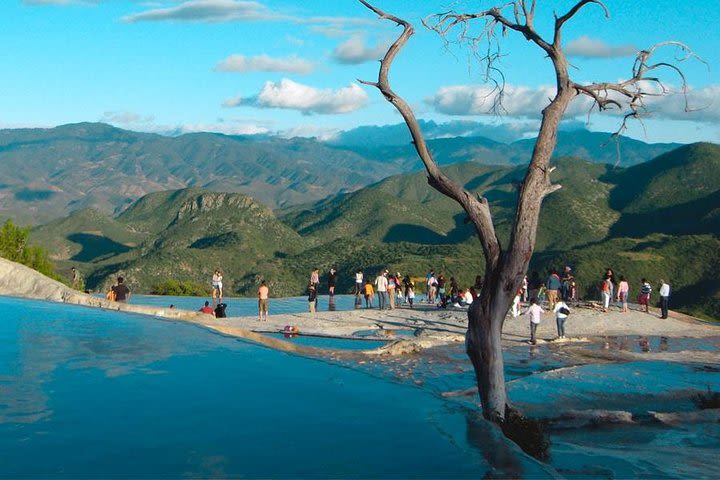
point(655, 220)
point(629, 219)
point(182, 235)
point(48, 173)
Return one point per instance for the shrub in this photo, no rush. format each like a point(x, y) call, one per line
point(14, 246)
point(180, 289)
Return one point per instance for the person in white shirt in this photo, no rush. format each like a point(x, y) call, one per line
point(358, 282)
point(516, 304)
point(664, 298)
point(381, 284)
point(561, 311)
point(467, 297)
point(535, 312)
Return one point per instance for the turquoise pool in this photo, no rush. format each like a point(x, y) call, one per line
point(92, 393)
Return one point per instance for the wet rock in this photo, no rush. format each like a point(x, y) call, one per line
point(711, 415)
point(581, 418)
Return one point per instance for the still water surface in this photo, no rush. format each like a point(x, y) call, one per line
point(90, 393)
point(87, 392)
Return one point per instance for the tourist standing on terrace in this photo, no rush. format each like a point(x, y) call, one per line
point(535, 312)
point(552, 288)
point(644, 296)
point(606, 292)
point(315, 280)
point(368, 293)
point(381, 284)
point(358, 281)
point(611, 274)
point(217, 286)
point(623, 292)
point(561, 314)
point(431, 285)
point(391, 286)
point(263, 300)
point(407, 284)
point(664, 298)
point(566, 281)
point(312, 297)
point(534, 285)
point(441, 290)
point(332, 278)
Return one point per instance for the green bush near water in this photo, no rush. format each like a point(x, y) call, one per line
point(180, 289)
point(14, 246)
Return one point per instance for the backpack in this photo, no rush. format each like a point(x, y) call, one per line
point(564, 311)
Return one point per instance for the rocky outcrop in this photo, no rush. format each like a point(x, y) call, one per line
point(17, 280)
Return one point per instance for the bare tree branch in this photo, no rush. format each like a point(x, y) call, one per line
point(560, 21)
point(478, 209)
point(629, 95)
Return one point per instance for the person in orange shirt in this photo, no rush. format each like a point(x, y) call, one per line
point(263, 294)
point(368, 293)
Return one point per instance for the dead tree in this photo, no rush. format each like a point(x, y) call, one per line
point(506, 267)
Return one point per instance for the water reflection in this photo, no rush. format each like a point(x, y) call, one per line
point(47, 338)
point(177, 400)
point(647, 344)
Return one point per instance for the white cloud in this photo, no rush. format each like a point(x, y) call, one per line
point(206, 11)
point(588, 47)
point(225, 128)
point(354, 51)
point(527, 102)
point(125, 118)
point(291, 95)
point(517, 101)
point(264, 63)
point(310, 131)
point(703, 105)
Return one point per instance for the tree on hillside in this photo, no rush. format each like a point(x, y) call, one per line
point(505, 266)
point(14, 246)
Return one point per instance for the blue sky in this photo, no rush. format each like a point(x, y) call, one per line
point(291, 68)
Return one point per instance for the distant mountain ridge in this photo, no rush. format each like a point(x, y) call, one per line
point(48, 173)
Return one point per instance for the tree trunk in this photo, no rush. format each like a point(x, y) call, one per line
point(483, 344)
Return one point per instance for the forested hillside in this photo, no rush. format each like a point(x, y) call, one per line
point(655, 220)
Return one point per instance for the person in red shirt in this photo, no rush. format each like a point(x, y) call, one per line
point(208, 309)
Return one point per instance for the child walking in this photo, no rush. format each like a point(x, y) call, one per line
point(561, 314)
point(535, 312)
